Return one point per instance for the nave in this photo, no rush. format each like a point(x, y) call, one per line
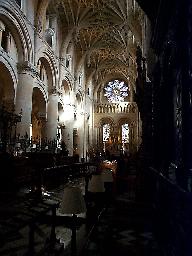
point(117, 222)
point(126, 228)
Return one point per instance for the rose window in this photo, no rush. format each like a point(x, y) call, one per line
point(116, 91)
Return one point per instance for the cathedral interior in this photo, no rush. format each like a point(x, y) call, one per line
point(95, 91)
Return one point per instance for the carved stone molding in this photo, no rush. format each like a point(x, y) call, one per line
point(26, 66)
point(50, 32)
point(54, 91)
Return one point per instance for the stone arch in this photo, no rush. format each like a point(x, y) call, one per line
point(123, 121)
point(19, 31)
point(106, 120)
point(4, 62)
point(66, 91)
point(40, 19)
point(45, 73)
point(42, 89)
point(69, 79)
point(7, 87)
point(47, 59)
point(66, 42)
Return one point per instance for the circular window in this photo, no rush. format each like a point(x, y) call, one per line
point(116, 91)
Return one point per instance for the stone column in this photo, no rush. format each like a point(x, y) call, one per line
point(52, 116)
point(81, 134)
point(131, 93)
point(67, 136)
point(75, 141)
point(24, 97)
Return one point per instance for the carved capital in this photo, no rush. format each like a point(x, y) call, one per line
point(50, 32)
point(54, 91)
point(26, 66)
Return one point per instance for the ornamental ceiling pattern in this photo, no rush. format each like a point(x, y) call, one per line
point(105, 32)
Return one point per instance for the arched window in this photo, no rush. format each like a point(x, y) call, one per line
point(49, 33)
point(125, 133)
point(5, 40)
point(68, 61)
point(106, 132)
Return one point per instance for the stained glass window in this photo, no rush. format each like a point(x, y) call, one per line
point(106, 132)
point(125, 133)
point(116, 91)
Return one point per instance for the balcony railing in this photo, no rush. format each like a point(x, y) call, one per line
point(123, 107)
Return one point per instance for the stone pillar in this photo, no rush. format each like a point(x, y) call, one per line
point(67, 136)
point(81, 134)
point(131, 93)
point(75, 141)
point(52, 116)
point(24, 97)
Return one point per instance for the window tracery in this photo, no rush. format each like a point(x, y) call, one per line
point(116, 91)
point(106, 132)
point(125, 133)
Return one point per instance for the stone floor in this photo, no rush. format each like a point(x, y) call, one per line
point(125, 227)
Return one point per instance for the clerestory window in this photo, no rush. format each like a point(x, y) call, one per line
point(116, 91)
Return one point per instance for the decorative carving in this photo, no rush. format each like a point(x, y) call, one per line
point(26, 66)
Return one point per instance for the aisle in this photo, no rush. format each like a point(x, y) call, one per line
point(125, 229)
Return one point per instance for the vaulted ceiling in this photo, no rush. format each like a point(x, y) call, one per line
point(106, 34)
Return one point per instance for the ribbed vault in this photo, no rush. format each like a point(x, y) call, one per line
point(105, 33)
